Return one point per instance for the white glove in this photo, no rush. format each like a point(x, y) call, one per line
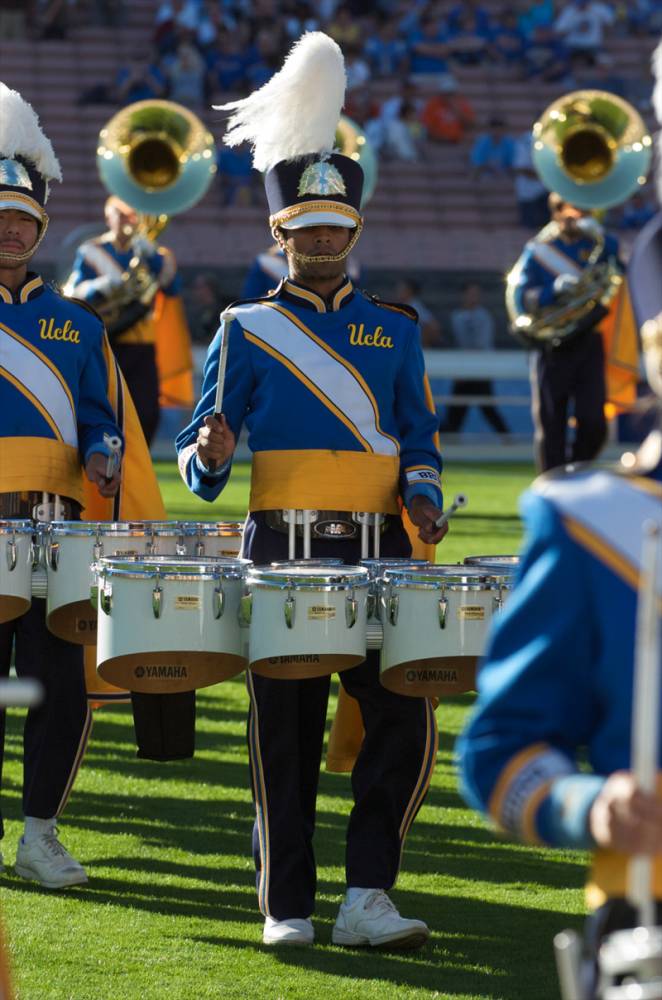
point(142, 247)
point(564, 283)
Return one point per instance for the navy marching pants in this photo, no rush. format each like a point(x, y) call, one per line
point(573, 371)
point(285, 736)
point(55, 733)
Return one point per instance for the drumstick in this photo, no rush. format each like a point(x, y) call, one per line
point(376, 538)
point(114, 445)
point(459, 501)
point(226, 320)
point(305, 517)
point(645, 708)
point(291, 534)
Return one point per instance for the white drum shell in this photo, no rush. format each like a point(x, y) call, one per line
point(186, 647)
point(16, 553)
point(222, 539)
point(420, 657)
point(320, 641)
point(69, 551)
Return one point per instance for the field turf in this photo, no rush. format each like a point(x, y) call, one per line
point(170, 910)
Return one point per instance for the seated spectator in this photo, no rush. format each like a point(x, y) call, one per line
point(546, 56)
point(530, 192)
point(493, 151)
point(581, 25)
point(239, 182)
point(386, 51)
point(344, 28)
point(539, 14)
point(408, 292)
point(186, 74)
point(139, 80)
point(228, 62)
point(356, 68)
point(468, 45)
point(598, 77)
point(264, 57)
point(636, 212)
point(644, 17)
point(507, 40)
point(469, 8)
point(428, 52)
point(378, 127)
point(446, 115)
point(207, 302)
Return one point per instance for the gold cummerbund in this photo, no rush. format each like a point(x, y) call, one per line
point(325, 480)
point(608, 878)
point(42, 464)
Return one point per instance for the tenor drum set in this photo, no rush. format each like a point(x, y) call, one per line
point(171, 606)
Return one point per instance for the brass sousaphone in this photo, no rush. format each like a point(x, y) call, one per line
point(594, 150)
point(159, 158)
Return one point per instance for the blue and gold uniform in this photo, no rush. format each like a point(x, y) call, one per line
point(96, 274)
point(332, 394)
point(54, 412)
point(570, 372)
point(558, 675)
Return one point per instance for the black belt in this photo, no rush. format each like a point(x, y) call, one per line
point(332, 525)
point(26, 503)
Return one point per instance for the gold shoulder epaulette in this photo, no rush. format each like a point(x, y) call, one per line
point(399, 307)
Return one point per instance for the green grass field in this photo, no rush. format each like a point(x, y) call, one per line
point(170, 909)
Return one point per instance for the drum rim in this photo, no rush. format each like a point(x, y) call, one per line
point(267, 578)
point(19, 525)
point(210, 529)
point(496, 560)
point(446, 577)
point(110, 529)
point(170, 567)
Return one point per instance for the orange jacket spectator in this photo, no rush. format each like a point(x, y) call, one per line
point(447, 115)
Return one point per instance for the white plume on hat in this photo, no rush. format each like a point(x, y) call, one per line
point(297, 111)
point(21, 135)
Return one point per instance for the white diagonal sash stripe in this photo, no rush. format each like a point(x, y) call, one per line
point(40, 380)
point(609, 506)
point(103, 262)
point(327, 374)
point(554, 260)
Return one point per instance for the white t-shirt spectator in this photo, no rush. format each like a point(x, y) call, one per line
point(582, 25)
point(526, 187)
point(473, 329)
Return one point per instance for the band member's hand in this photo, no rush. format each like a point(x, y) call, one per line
point(564, 283)
point(423, 514)
point(216, 442)
point(95, 470)
point(624, 818)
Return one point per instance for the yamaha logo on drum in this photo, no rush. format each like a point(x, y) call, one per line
point(436, 676)
point(161, 672)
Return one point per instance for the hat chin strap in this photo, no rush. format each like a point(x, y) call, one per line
point(22, 258)
point(304, 258)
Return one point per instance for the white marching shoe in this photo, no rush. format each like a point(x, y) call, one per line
point(373, 920)
point(295, 930)
point(48, 862)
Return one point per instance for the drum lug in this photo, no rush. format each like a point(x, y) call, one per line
point(443, 611)
point(351, 611)
point(245, 609)
point(288, 610)
point(97, 551)
point(53, 555)
point(199, 549)
point(393, 608)
point(371, 606)
point(35, 555)
point(94, 594)
point(157, 600)
point(106, 597)
point(219, 601)
point(11, 555)
point(497, 602)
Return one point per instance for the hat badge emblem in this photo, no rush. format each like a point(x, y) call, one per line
point(321, 178)
point(14, 174)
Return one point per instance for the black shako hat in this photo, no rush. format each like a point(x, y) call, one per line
point(315, 190)
point(22, 186)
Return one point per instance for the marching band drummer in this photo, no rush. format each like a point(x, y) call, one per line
point(557, 681)
point(330, 383)
point(571, 370)
point(54, 422)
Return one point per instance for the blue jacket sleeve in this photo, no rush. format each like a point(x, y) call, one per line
point(236, 398)
point(420, 461)
point(536, 704)
point(533, 277)
point(95, 414)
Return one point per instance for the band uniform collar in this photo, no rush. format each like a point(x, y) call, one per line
point(311, 300)
point(30, 289)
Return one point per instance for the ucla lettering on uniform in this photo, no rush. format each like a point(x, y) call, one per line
point(359, 338)
point(48, 331)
